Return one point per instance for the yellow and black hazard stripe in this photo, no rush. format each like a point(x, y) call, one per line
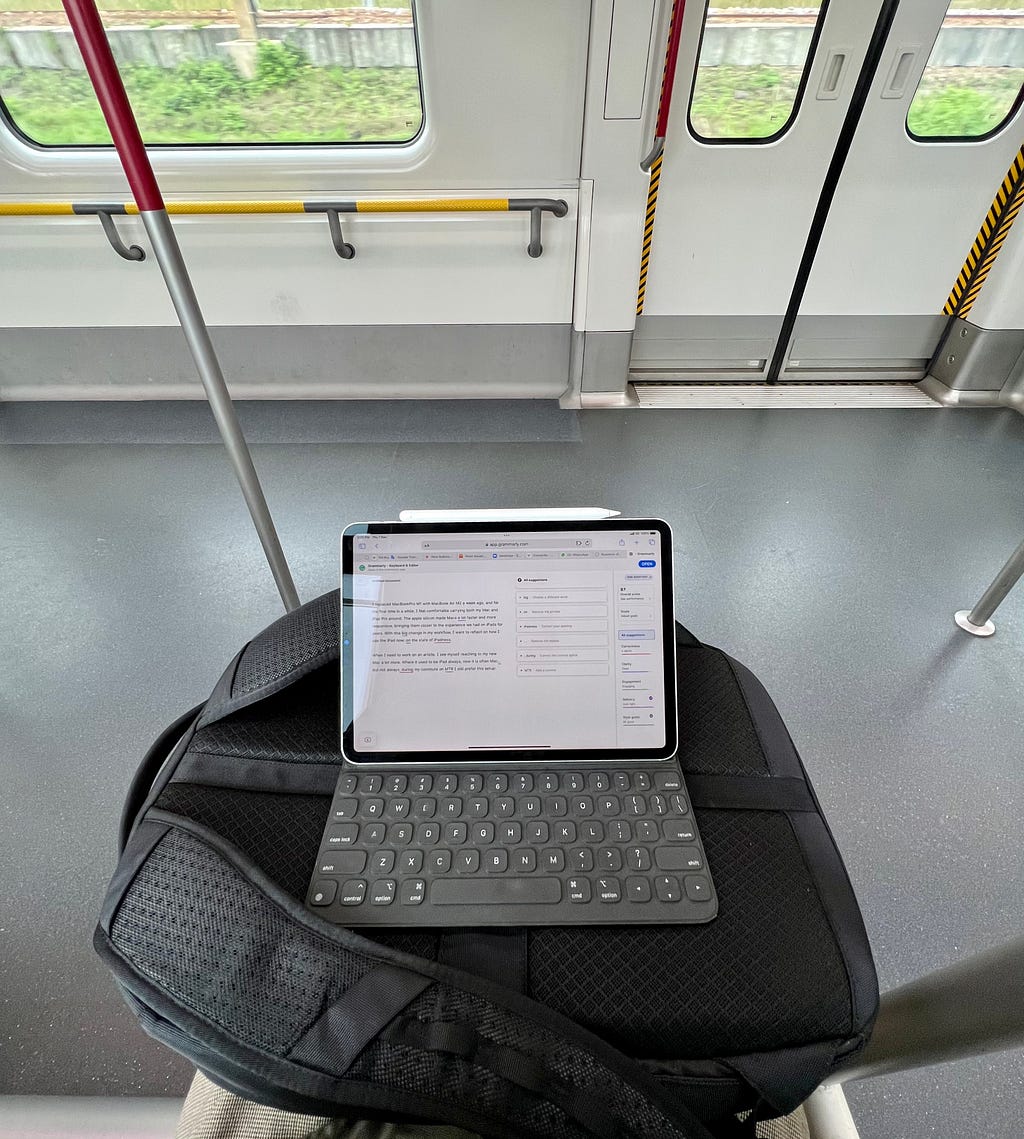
point(990, 239)
point(664, 101)
point(645, 253)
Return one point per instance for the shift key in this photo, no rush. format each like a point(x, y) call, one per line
point(495, 891)
point(342, 862)
point(678, 858)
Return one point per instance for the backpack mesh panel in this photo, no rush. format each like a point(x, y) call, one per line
point(573, 1066)
point(291, 642)
point(716, 733)
point(192, 925)
point(769, 925)
point(281, 834)
point(296, 725)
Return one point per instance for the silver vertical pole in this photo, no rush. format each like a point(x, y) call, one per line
point(968, 1009)
point(183, 297)
point(977, 620)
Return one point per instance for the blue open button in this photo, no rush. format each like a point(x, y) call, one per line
point(646, 563)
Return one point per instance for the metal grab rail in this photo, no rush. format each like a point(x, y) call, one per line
point(106, 211)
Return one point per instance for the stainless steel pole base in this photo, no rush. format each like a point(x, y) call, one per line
point(963, 618)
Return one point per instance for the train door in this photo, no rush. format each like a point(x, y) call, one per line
point(940, 130)
point(760, 99)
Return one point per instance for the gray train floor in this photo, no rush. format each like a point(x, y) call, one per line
point(827, 550)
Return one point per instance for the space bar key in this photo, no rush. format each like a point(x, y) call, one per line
point(495, 891)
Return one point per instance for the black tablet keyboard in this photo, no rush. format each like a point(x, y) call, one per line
point(602, 846)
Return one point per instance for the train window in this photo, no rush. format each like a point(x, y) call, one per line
point(752, 67)
point(200, 72)
point(974, 79)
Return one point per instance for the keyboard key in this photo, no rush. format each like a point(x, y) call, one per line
point(344, 834)
point(678, 830)
point(472, 784)
point(582, 805)
point(496, 861)
point(422, 784)
point(504, 807)
point(620, 781)
point(619, 831)
point(373, 834)
point(556, 806)
point(509, 833)
point(342, 862)
point(678, 804)
point(440, 861)
point(482, 834)
point(608, 889)
point(524, 860)
point(678, 858)
point(522, 783)
point(373, 808)
point(552, 859)
point(549, 782)
point(608, 805)
point(698, 889)
point(400, 834)
point(668, 781)
point(537, 832)
point(638, 889)
point(413, 892)
point(578, 889)
point(608, 858)
point(426, 808)
point(635, 805)
point(383, 862)
point(467, 861)
point(647, 831)
point(345, 808)
point(398, 808)
point(451, 808)
point(667, 888)
point(411, 861)
point(565, 832)
point(478, 808)
point(642, 781)
point(497, 783)
point(383, 893)
point(323, 892)
point(371, 784)
point(428, 834)
point(353, 893)
point(637, 858)
point(396, 784)
point(448, 783)
point(346, 785)
point(574, 781)
point(592, 832)
point(455, 834)
point(659, 805)
point(598, 781)
point(581, 860)
point(530, 806)
point(496, 892)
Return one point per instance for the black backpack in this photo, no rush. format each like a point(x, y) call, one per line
point(556, 1032)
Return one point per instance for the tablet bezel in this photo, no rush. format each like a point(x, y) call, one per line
point(505, 756)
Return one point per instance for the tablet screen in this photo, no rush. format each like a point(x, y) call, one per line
point(532, 641)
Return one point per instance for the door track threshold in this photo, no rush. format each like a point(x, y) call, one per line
point(785, 395)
